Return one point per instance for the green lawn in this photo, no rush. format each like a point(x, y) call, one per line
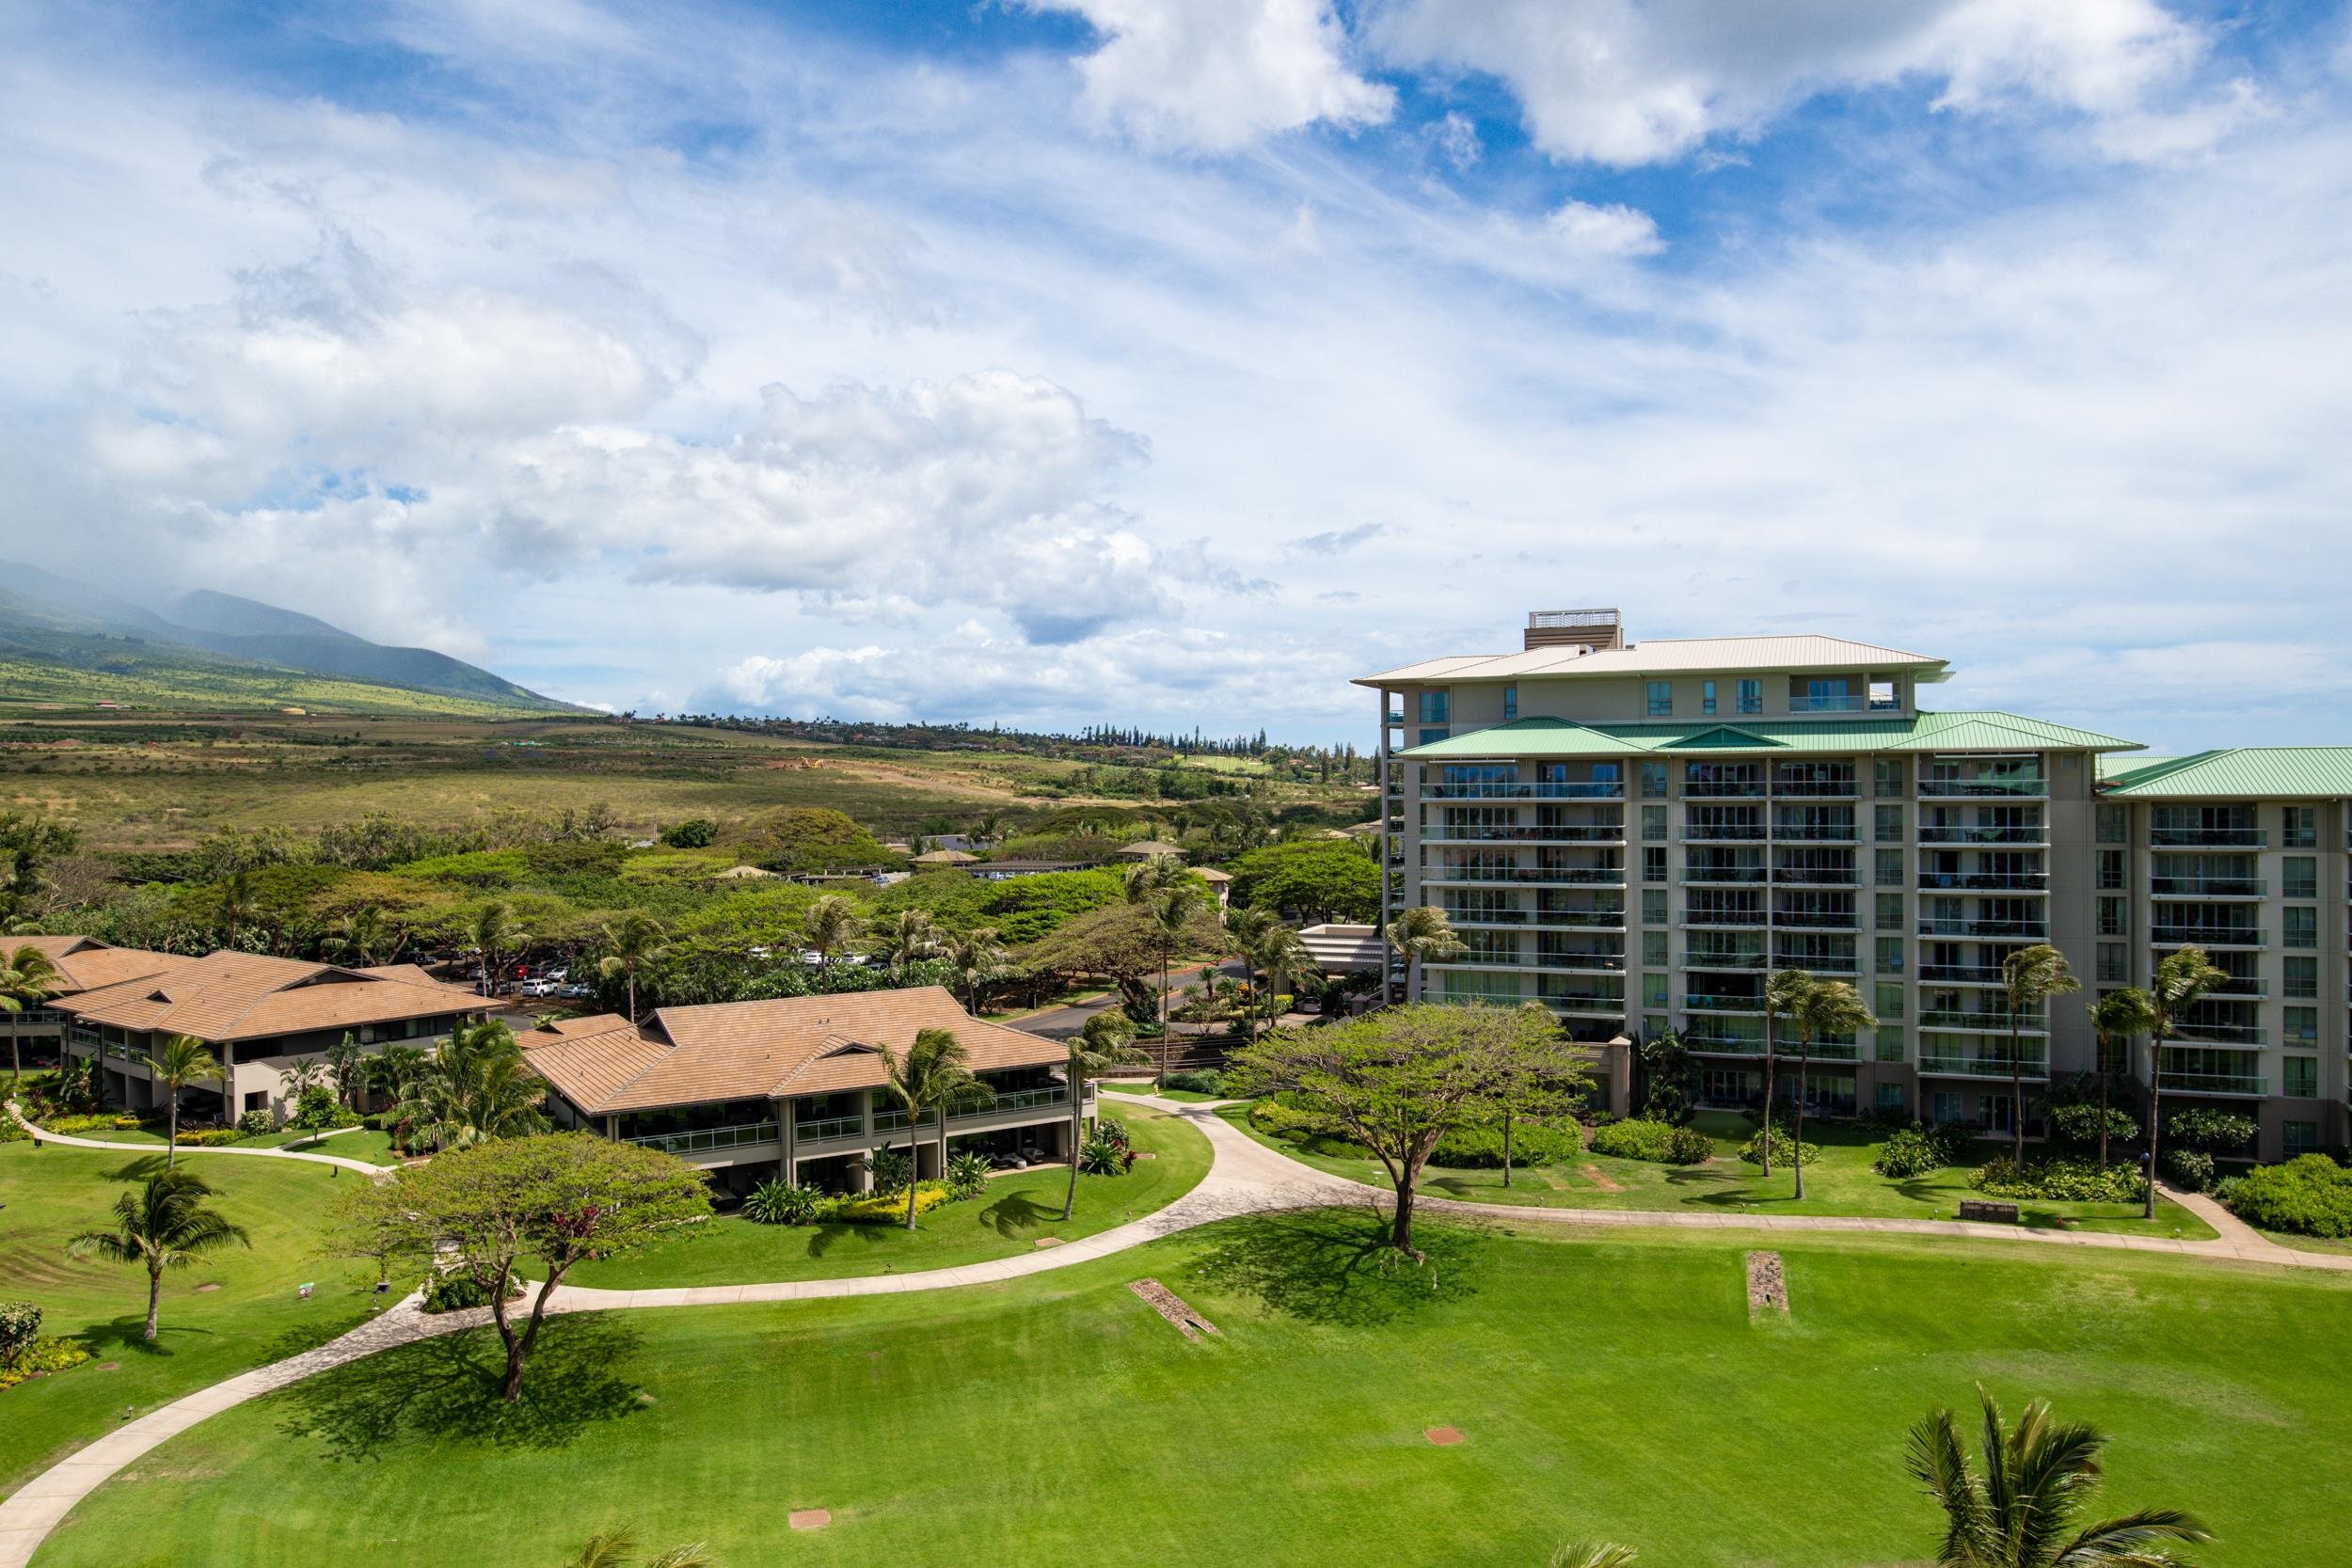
point(254, 1316)
point(361, 1143)
point(1839, 1183)
point(1186, 1097)
point(1009, 1218)
point(1605, 1386)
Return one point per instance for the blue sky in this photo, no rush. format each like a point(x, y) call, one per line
point(1057, 361)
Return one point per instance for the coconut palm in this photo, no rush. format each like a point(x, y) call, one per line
point(28, 977)
point(183, 1060)
point(2019, 1513)
point(830, 926)
point(2181, 980)
point(974, 959)
point(1827, 1007)
point(910, 938)
point(988, 830)
point(931, 1077)
point(2029, 977)
point(628, 947)
point(1784, 993)
point(1170, 897)
point(1420, 935)
point(494, 931)
point(392, 1072)
point(162, 1223)
point(1280, 955)
point(1592, 1553)
point(1107, 1042)
point(1244, 928)
point(361, 938)
point(2116, 1017)
point(475, 1087)
point(345, 1064)
point(615, 1548)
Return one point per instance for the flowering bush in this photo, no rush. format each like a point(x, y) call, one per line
point(775, 1202)
point(262, 1122)
point(882, 1208)
point(40, 1358)
point(967, 1177)
point(1100, 1156)
point(2060, 1180)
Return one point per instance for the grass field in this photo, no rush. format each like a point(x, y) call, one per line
point(1613, 1387)
point(252, 1315)
point(1186, 1097)
point(359, 1144)
point(1009, 1219)
point(1839, 1183)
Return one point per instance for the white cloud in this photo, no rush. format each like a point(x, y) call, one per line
point(1219, 74)
point(1629, 82)
point(1615, 230)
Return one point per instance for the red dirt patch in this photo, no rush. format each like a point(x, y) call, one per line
point(1594, 1175)
point(1049, 1240)
point(809, 1518)
point(1444, 1438)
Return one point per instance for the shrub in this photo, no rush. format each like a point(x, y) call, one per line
point(102, 1121)
point(2189, 1169)
point(2309, 1195)
point(20, 1325)
point(695, 832)
point(1659, 1141)
point(1196, 1082)
point(264, 1121)
point(207, 1137)
point(884, 1208)
point(1533, 1143)
point(2222, 1132)
point(2078, 1125)
point(891, 1169)
point(1783, 1145)
point(11, 1129)
point(1278, 1121)
point(1100, 1156)
point(1113, 1131)
point(2060, 1180)
point(774, 1202)
point(319, 1110)
point(456, 1292)
point(40, 1358)
point(1920, 1147)
point(967, 1175)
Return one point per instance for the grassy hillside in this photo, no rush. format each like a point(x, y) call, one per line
point(77, 672)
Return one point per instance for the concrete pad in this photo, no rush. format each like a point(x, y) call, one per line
point(809, 1518)
point(1444, 1438)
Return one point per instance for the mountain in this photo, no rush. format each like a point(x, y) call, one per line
point(64, 641)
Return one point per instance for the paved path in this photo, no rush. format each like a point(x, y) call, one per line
point(1244, 1176)
point(186, 1149)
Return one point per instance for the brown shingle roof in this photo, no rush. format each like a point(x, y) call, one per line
point(235, 996)
point(799, 1045)
point(85, 963)
point(588, 1059)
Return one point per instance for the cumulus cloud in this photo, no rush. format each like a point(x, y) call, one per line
point(1217, 75)
point(1614, 229)
point(1631, 82)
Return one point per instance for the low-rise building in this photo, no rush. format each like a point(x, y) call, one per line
point(796, 1088)
point(83, 965)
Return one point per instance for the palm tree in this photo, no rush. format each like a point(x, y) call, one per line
point(1107, 1042)
point(1783, 994)
point(1169, 896)
point(360, 938)
point(475, 1087)
point(345, 1062)
point(975, 959)
point(1592, 1553)
point(630, 946)
point(1419, 936)
point(1827, 1007)
point(236, 901)
point(933, 1076)
point(182, 1060)
point(493, 930)
point(392, 1072)
point(2037, 1477)
point(2116, 1017)
point(1246, 927)
point(2181, 980)
point(1280, 955)
point(2029, 977)
point(830, 926)
point(164, 1224)
point(613, 1549)
point(989, 829)
point(911, 937)
point(27, 978)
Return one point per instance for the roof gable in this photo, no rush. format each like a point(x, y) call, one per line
point(1725, 738)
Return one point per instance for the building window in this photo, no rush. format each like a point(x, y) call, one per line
point(1654, 865)
point(1653, 823)
point(1886, 823)
point(1654, 1025)
point(2111, 864)
point(1890, 911)
point(1655, 989)
point(1434, 708)
point(1751, 696)
point(1889, 1044)
point(2298, 877)
point(1884, 697)
point(1706, 698)
point(1510, 703)
point(1653, 781)
point(2299, 1077)
point(2300, 924)
point(2302, 1026)
point(1890, 996)
point(1887, 776)
point(1890, 1097)
point(1653, 906)
point(1661, 699)
point(2302, 977)
point(2298, 828)
point(1829, 694)
point(1890, 956)
point(257, 1100)
point(1654, 949)
point(2115, 917)
point(1430, 737)
point(2299, 1137)
point(1890, 867)
point(2115, 963)
point(2114, 824)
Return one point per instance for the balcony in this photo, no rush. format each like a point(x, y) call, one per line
point(1984, 789)
point(1986, 881)
point(2195, 838)
point(1815, 789)
point(1739, 920)
point(829, 1129)
point(1815, 833)
point(1850, 702)
point(2208, 887)
point(1608, 789)
point(1962, 974)
point(2220, 1033)
point(1547, 876)
point(1982, 1067)
point(1817, 920)
point(1723, 832)
point(1940, 833)
point(2206, 936)
point(1819, 1050)
point(1019, 1100)
point(1815, 876)
point(1707, 1002)
point(2214, 1082)
point(1579, 833)
point(2241, 985)
point(709, 1138)
point(1979, 1021)
point(1582, 963)
point(1588, 1003)
point(1699, 1040)
point(1724, 876)
point(1717, 959)
point(1980, 926)
point(1722, 789)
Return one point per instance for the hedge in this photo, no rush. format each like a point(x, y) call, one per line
point(1533, 1143)
point(2060, 1180)
point(2308, 1195)
point(1659, 1141)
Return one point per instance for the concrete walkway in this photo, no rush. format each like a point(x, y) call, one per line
point(63, 1141)
point(1244, 1176)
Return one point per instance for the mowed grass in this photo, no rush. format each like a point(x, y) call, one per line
point(1839, 1183)
point(255, 1315)
point(1611, 1387)
point(1017, 1211)
point(360, 1143)
point(1182, 1097)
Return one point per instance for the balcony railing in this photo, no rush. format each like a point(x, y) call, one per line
point(1982, 1067)
point(2208, 887)
point(1550, 875)
point(1708, 1003)
point(1817, 920)
point(1582, 963)
point(2213, 1083)
point(2004, 788)
point(831, 1128)
point(1730, 875)
point(1736, 919)
point(1591, 790)
point(1716, 960)
point(1722, 789)
point(1560, 918)
point(1735, 833)
point(2207, 936)
point(1818, 789)
point(2247, 838)
point(2222, 1034)
point(1846, 703)
point(709, 1138)
point(1965, 974)
point(1941, 833)
point(1815, 833)
point(1992, 882)
point(1018, 1099)
point(1565, 834)
point(2034, 931)
point(1815, 876)
point(1610, 1006)
point(1721, 1045)
point(1979, 1020)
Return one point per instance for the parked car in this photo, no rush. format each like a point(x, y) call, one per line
point(536, 988)
point(576, 991)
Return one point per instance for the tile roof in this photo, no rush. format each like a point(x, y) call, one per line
point(234, 996)
point(2312, 772)
point(85, 963)
point(1925, 731)
point(1659, 656)
point(799, 1045)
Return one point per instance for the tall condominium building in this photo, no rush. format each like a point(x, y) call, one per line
point(1634, 834)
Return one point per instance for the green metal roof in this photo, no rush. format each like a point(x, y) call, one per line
point(2262, 772)
point(1925, 731)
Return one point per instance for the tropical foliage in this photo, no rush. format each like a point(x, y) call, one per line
point(160, 1225)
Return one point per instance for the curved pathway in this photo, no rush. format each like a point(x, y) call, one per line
point(63, 1141)
point(1244, 1176)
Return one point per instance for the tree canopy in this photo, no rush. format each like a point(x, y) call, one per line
point(1322, 878)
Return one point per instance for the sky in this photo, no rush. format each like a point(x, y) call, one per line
point(1170, 362)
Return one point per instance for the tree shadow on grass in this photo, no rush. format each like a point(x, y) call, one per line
point(1016, 1214)
point(138, 1169)
point(128, 1336)
point(825, 1238)
point(449, 1386)
point(1336, 1267)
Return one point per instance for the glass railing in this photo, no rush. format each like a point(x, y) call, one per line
point(1727, 874)
point(1606, 963)
point(1997, 881)
point(1559, 918)
point(1832, 833)
point(1018, 1099)
point(892, 1121)
point(709, 1138)
point(833, 1126)
point(1606, 832)
point(1816, 876)
point(1724, 917)
point(1819, 1050)
point(1982, 1067)
point(1585, 1003)
point(1975, 1019)
point(2211, 887)
point(1818, 920)
point(1966, 975)
point(1721, 1045)
point(1712, 1003)
point(1581, 790)
point(1711, 958)
point(1548, 876)
point(2226, 1034)
point(1732, 831)
point(1938, 833)
point(2031, 930)
point(1851, 702)
point(2213, 1083)
point(1990, 788)
point(1820, 963)
point(1815, 788)
point(1722, 789)
point(2253, 838)
point(2208, 935)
